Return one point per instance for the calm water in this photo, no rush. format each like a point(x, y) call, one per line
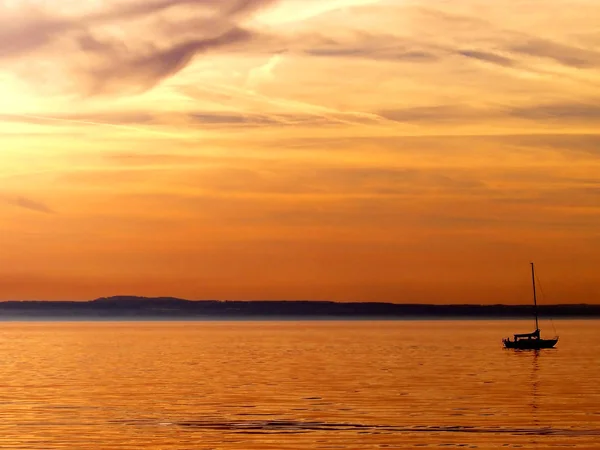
point(296, 385)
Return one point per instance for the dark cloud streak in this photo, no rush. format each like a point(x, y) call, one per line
point(144, 72)
point(560, 111)
point(487, 57)
point(567, 55)
point(30, 204)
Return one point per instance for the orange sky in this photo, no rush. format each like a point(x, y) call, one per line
point(406, 151)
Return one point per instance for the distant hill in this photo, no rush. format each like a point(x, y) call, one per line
point(133, 300)
point(133, 307)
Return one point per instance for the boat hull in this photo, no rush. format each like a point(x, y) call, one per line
point(530, 344)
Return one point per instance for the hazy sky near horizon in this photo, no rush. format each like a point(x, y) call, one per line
point(394, 150)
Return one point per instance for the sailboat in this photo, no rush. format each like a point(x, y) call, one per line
point(531, 341)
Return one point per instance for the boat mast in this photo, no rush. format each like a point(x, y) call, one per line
point(534, 297)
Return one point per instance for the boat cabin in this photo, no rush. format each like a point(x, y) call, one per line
point(534, 335)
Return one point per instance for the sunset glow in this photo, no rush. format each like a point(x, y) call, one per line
point(352, 150)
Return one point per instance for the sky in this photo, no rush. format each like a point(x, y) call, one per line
point(350, 150)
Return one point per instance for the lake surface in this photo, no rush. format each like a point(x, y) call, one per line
point(296, 385)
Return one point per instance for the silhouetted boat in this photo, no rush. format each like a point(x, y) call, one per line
point(531, 341)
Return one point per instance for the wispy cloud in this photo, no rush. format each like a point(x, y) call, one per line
point(28, 203)
point(566, 54)
point(144, 71)
point(568, 111)
point(487, 57)
point(112, 49)
point(370, 46)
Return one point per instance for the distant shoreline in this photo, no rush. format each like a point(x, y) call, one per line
point(162, 308)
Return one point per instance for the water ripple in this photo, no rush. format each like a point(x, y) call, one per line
point(271, 426)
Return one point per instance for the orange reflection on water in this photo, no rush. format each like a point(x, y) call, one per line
point(295, 385)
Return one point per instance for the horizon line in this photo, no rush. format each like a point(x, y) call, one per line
point(141, 298)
